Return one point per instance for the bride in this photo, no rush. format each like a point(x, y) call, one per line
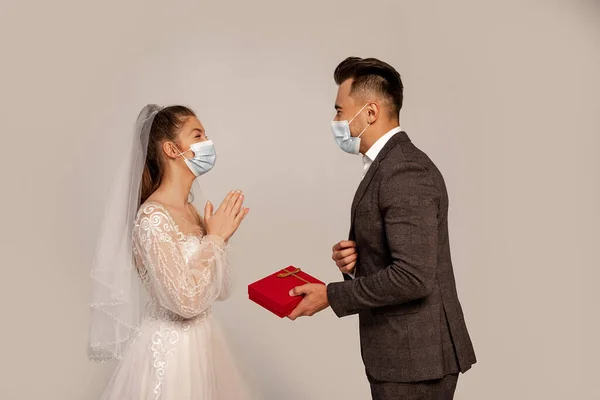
point(159, 266)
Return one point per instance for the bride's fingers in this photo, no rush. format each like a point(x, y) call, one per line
point(232, 201)
point(237, 206)
point(208, 211)
point(226, 200)
point(240, 217)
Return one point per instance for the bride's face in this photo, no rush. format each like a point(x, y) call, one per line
point(191, 132)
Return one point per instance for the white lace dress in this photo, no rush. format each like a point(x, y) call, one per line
point(180, 353)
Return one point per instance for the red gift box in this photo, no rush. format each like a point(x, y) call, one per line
point(273, 292)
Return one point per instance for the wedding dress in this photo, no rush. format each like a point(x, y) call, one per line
point(179, 352)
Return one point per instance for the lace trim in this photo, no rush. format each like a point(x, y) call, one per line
point(163, 345)
point(102, 352)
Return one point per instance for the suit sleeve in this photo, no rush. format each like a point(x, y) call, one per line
point(409, 203)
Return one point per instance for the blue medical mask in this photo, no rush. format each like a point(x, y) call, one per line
point(204, 157)
point(343, 137)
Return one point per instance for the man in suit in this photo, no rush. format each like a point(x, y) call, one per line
point(398, 274)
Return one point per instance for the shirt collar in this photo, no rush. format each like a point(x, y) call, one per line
point(372, 153)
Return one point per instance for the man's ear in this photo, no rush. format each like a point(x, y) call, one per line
point(170, 149)
point(373, 112)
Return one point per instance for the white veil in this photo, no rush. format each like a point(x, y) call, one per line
point(118, 298)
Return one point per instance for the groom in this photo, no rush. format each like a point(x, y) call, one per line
point(398, 274)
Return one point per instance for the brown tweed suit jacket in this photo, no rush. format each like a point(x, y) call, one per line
point(412, 326)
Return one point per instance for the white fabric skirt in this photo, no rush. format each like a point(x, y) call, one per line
point(178, 360)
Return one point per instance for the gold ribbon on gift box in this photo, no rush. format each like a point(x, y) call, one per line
point(291, 273)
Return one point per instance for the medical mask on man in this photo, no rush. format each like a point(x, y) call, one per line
point(343, 137)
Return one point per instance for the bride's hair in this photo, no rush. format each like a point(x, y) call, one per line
point(166, 126)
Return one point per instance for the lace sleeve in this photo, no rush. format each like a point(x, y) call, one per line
point(226, 284)
point(184, 284)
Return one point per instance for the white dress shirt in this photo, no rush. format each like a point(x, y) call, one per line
point(372, 154)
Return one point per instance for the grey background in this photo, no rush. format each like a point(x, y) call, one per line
point(502, 95)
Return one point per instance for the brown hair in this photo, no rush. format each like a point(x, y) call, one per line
point(165, 127)
point(375, 75)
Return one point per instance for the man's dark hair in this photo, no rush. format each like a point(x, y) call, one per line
point(371, 74)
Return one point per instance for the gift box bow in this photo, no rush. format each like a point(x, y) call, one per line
point(293, 273)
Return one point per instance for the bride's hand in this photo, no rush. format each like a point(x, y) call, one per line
point(228, 217)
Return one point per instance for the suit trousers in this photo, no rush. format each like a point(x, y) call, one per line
point(437, 389)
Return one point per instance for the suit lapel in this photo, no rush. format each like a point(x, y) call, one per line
point(362, 188)
point(366, 181)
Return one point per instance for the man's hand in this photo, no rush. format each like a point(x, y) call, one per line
point(315, 300)
point(345, 255)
